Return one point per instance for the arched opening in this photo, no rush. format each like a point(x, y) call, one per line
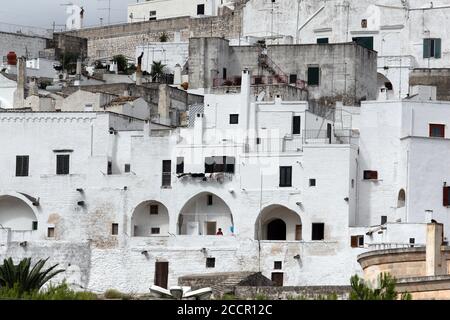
point(278, 223)
point(205, 214)
point(276, 230)
point(16, 214)
point(384, 84)
point(150, 219)
point(401, 200)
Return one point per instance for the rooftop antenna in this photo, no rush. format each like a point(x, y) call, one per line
point(109, 10)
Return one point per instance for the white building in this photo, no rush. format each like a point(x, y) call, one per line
point(164, 9)
point(407, 34)
point(121, 200)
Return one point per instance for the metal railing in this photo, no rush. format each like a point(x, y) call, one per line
point(393, 245)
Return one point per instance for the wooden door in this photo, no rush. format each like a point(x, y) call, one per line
point(211, 228)
point(277, 279)
point(161, 274)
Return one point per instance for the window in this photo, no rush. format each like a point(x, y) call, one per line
point(437, 130)
point(293, 78)
point(224, 73)
point(200, 9)
point(127, 168)
point(357, 241)
point(370, 175)
point(219, 164)
point(432, 48)
point(210, 200)
point(446, 196)
point(313, 76)
point(234, 118)
point(322, 40)
point(383, 219)
point(388, 86)
point(278, 265)
point(285, 176)
point(109, 167)
point(412, 241)
point(51, 232)
point(364, 23)
point(35, 225)
point(115, 229)
point(152, 15)
point(154, 209)
point(296, 124)
point(318, 230)
point(366, 42)
point(210, 262)
point(180, 165)
point(258, 140)
point(22, 166)
point(155, 230)
point(401, 200)
point(312, 182)
point(166, 173)
point(62, 164)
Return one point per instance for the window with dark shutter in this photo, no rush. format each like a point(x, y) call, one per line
point(155, 230)
point(200, 9)
point(296, 124)
point(313, 76)
point(180, 165)
point(210, 262)
point(354, 241)
point(383, 219)
point(366, 42)
point(292, 78)
point(285, 176)
point(210, 200)
point(115, 229)
point(322, 40)
point(437, 130)
point(234, 118)
point(109, 168)
point(166, 173)
point(127, 168)
point(154, 209)
point(318, 231)
point(35, 225)
point(446, 196)
point(432, 48)
point(278, 265)
point(22, 166)
point(62, 164)
point(370, 175)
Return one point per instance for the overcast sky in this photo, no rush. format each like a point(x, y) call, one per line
point(42, 13)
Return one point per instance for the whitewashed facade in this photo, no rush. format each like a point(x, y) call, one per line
point(111, 197)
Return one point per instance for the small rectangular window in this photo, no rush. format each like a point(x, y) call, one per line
point(322, 40)
point(432, 48)
point(366, 42)
point(224, 73)
point(412, 242)
point(109, 167)
point(166, 173)
point(278, 265)
point(200, 9)
point(437, 130)
point(115, 229)
point(370, 175)
point(234, 118)
point(210, 200)
point(446, 196)
point(35, 225)
point(357, 241)
point(313, 76)
point(152, 15)
point(292, 78)
point(210, 262)
point(258, 140)
point(154, 209)
point(51, 232)
point(180, 165)
point(285, 176)
point(296, 125)
point(318, 231)
point(383, 219)
point(62, 163)
point(22, 166)
point(127, 168)
point(312, 182)
point(155, 230)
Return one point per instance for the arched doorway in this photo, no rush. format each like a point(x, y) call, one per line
point(205, 214)
point(278, 223)
point(150, 219)
point(401, 199)
point(16, 214)
point(276, 230)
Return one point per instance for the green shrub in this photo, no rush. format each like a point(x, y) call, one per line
point(261, 296)
point(384, 291)
point(228, 296)
point(52, 292)
point(115, 294)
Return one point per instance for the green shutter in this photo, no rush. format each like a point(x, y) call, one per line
point(426, 48)
point(437, 48)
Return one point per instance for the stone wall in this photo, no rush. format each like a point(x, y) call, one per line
point(440, 78)
point(294, 293)
point(22, 44)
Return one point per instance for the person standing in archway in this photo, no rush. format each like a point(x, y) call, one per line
point(219, 232)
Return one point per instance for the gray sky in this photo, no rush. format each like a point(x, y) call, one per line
point(42, 13)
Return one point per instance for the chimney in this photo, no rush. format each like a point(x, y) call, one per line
point(177, 75)
point(436, 263)
point(198, 128)
point(19, 94)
